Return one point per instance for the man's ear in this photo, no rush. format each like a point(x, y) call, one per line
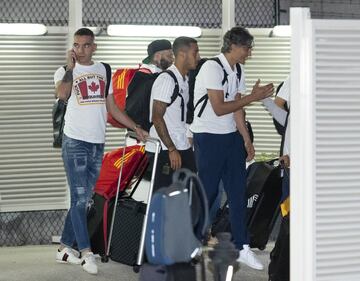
point(231, 47)
point(94, 47)
point(157, 56)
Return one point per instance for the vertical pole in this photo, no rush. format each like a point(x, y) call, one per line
point(228, 15)
point(75, 19)
point(276, 12)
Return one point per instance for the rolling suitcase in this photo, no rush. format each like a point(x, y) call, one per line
point(95, 220)
point(264, 196)
point(128, 224)
point(134, 162)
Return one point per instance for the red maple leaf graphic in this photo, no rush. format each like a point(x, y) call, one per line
point(93, 87)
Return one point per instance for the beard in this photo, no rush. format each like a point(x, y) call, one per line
point(164, 64)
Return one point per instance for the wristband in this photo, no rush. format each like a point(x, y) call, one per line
point(137, 126)
point(171, 150)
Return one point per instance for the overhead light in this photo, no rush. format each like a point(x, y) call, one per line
point(22, 29)
point(153, 30)
point(281, 31)
point(95, 30)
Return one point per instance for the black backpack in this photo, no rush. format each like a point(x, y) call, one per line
point(138, 97)
point(192, 77)
point(59, 110)
point(204, 99)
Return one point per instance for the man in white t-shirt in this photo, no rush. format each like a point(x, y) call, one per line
point(169, 115)
point(221, 139)
point(83, 84)
point(282, 116)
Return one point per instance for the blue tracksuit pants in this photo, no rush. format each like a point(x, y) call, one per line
point(222, 157)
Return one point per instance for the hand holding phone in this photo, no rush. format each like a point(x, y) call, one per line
point(71, 59)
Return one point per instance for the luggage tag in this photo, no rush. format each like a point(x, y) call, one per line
point(166, 169)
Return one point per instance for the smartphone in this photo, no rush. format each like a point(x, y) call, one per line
point(73, 59)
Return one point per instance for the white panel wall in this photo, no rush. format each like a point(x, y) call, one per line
point(31, 171)
point(325, 122)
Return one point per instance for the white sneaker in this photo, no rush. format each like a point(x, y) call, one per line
point(88, 263)
point(248, 257)
point(67, 255)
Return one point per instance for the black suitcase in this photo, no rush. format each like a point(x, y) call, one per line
point(264, 195)
point(126, 233)
point(128, 223)
point(279, 267)
point(95, 223)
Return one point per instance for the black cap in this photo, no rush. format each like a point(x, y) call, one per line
point(156, 46)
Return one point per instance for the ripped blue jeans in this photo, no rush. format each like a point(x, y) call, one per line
point(82, 162)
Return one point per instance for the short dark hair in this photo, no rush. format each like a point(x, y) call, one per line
point(84, 32)
point(182, 42)
point(238, 36)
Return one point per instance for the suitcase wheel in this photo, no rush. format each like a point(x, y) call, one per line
point(136, 268)
point(104, 259)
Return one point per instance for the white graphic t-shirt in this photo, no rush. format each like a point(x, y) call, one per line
point(85, 117)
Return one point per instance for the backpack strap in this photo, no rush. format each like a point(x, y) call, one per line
point(225, 74)
point(238, 69)
point(64, 67)
point(144, 70)
point(108, 77)
point(283, 136)
point(176, 93)
point(204, 98)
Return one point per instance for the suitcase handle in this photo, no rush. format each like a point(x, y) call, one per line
point(157, 145)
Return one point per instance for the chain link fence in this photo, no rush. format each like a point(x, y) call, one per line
point(50, 13)
point(202, 13)
point(255, 13)
point(30, 228)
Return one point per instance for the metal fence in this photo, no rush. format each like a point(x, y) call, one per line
point(255, 13)
point(30, 228)
point(50, 13)
point(202, 13)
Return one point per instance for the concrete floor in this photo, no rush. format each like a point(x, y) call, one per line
point(37, 263)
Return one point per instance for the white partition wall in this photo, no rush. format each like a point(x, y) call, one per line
point(325, 153)
point(31, 170)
